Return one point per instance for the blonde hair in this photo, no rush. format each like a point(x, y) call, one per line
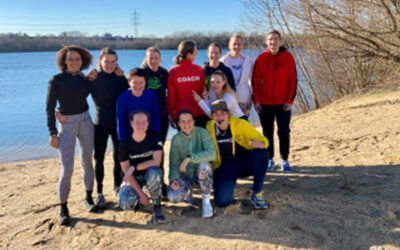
point(149, 49)
point(226, 88)
point(233, 37)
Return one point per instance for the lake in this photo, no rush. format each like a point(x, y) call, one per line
point(23, 83)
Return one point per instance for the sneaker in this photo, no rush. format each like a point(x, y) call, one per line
point(65, 219)
point(100, 201)
point(258, 201)
point(285, 166)
point(90, 206)
point(207, 210)
point(271, 165)
point(158, 216)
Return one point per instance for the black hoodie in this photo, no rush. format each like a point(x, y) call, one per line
point(227, 71)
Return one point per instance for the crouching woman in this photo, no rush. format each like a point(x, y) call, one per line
point(140, 156)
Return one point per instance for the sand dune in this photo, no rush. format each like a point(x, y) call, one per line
point(343, 194)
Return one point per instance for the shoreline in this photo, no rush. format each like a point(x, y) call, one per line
point(340, 195)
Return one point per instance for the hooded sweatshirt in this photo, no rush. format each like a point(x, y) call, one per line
point(274, 78)
point(182, 79)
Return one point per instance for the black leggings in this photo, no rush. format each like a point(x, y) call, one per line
point(267, 118)
point(101, 133)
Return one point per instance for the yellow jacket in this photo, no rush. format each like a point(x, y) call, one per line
point(242, 132)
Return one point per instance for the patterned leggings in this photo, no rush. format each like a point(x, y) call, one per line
point(203, 178)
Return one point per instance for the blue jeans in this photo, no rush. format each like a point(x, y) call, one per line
point(152, 180)
point(253, 163)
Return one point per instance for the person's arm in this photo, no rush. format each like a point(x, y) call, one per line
point(208, 153)
point(292, 81)
point(231, 79)
point(92, 75)
point(155, 162)
point(129, 178)
point(204, 106)
point(121, 117)
point(51, 102)
point(253, 135)
point(174, 160)
point(256, 82)
point(171, 94)
point(155, 112)
point(233, 105)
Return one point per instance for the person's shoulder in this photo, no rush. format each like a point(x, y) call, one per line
point(202, 131)
point(163, 70)
point(154, 137)
point(149, 93)
point(126, 141)
point(58, 76)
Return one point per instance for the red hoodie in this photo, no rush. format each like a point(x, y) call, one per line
point(182, 79)
point(274, 78)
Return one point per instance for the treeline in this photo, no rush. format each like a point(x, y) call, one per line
point(17, 42)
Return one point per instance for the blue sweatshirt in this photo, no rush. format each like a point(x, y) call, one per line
point(128, 103)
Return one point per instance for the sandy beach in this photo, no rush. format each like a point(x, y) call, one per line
point(342, 194)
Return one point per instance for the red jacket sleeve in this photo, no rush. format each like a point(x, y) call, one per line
point(171, 94)
point(292, 80)
point(256, 81)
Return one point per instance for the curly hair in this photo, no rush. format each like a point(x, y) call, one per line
point(62, 54)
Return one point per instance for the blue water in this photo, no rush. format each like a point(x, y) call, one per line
point(23, 86)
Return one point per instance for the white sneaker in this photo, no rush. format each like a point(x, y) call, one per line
point(207, 210)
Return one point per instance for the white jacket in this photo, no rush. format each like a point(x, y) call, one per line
point(243, 90)
point(230, 100)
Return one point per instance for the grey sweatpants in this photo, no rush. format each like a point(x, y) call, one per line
point(77, 126)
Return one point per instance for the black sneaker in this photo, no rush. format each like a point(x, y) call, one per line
point(90, 206)
point(158, 216)
point(100, 201)
point(65, 219)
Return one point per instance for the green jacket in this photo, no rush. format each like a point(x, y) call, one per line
point(242, 132)
point(198, 145)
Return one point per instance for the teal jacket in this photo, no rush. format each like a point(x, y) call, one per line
point(198, 146)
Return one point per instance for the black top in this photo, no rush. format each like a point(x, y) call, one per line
point(138, 152)
point(105, 92)
point(70, 90)
point(227, 71)
point(157, 82)
point(224, 141)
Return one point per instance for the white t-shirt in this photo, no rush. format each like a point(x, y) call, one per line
point(236, 65)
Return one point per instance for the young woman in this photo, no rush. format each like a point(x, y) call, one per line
point(140, 155)
point(133, 99)
point(214, 52)
point(183, 79)
point(70, 89)
point(105, 91)
point(189, 163)
point(242, 69)
point(241, 152)
point(220, 89)
point(274, 89)
point(156, 80)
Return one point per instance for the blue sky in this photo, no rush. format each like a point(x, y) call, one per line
point(156, 18)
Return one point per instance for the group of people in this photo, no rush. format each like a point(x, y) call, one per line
point(215, 144)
